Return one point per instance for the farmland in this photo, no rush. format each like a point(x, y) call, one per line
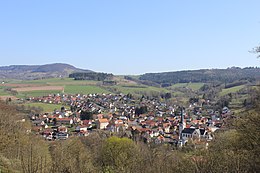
point(70, 86)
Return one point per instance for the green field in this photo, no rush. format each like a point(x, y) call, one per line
point(138, 89)
point(193, 86)
point(72, 86)
point(45, 106)
point(59, 81)
point(37, 93)
point(84, 89)
point(231, 90)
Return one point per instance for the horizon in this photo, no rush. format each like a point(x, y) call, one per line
point(130, 38)
point(131, 74)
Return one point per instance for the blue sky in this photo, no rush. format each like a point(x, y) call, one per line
point(130, 36)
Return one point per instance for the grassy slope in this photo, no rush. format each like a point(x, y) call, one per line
point(138, 89)
point(84, 89)
point(193, 86)
point(37, 93)
point(46, 107)
point(231, 90)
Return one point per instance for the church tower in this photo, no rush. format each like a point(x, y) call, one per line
point(182, 125)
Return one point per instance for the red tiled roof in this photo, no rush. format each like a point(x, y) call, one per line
point(100, 116)
point(86, 122)
point(64, 119)
point(103, 120)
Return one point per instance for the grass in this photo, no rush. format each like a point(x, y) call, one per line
point(138, 89)
point(3, 92)
point(84, 89)
point(37, 93)
point(72, 86)
point(231, 90)
point(193, 86)
point(46, 107)
point(177, 85)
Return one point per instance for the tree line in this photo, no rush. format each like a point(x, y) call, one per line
point(229, 75)
point(91, 76)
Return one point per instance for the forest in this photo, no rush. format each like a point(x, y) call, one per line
point(91, 76)
point(229, 75)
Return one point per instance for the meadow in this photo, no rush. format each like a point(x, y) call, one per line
point(46, 106)
point(193, 86)
point(38, 93)
point(84, 89)
point(231, 90)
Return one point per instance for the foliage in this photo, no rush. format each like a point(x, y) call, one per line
point(19, 151)
point(256, 50)
point(141, 110)
point(91, 76)
point(71, 156)
point(86, 115)
point(119, 155)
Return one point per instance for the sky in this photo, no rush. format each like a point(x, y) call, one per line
point(130, 36)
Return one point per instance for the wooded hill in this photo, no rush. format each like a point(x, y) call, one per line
point(205, 75)
point(29, 72)
point(91, 76)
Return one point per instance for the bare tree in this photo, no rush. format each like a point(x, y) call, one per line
point(256, 50)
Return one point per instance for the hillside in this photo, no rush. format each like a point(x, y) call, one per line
point(27, 72)
point(205, 75)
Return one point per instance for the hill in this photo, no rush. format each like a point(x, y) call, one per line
point(27, 72)
point(229, 75)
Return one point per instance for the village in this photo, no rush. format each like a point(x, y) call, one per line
point(151, 121)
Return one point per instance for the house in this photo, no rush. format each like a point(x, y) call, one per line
point(62, 129)
point(62, 136)
point(64, 121)
point(83, 128)
point(102, 123)
point(117, 128)
point(190, 133)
